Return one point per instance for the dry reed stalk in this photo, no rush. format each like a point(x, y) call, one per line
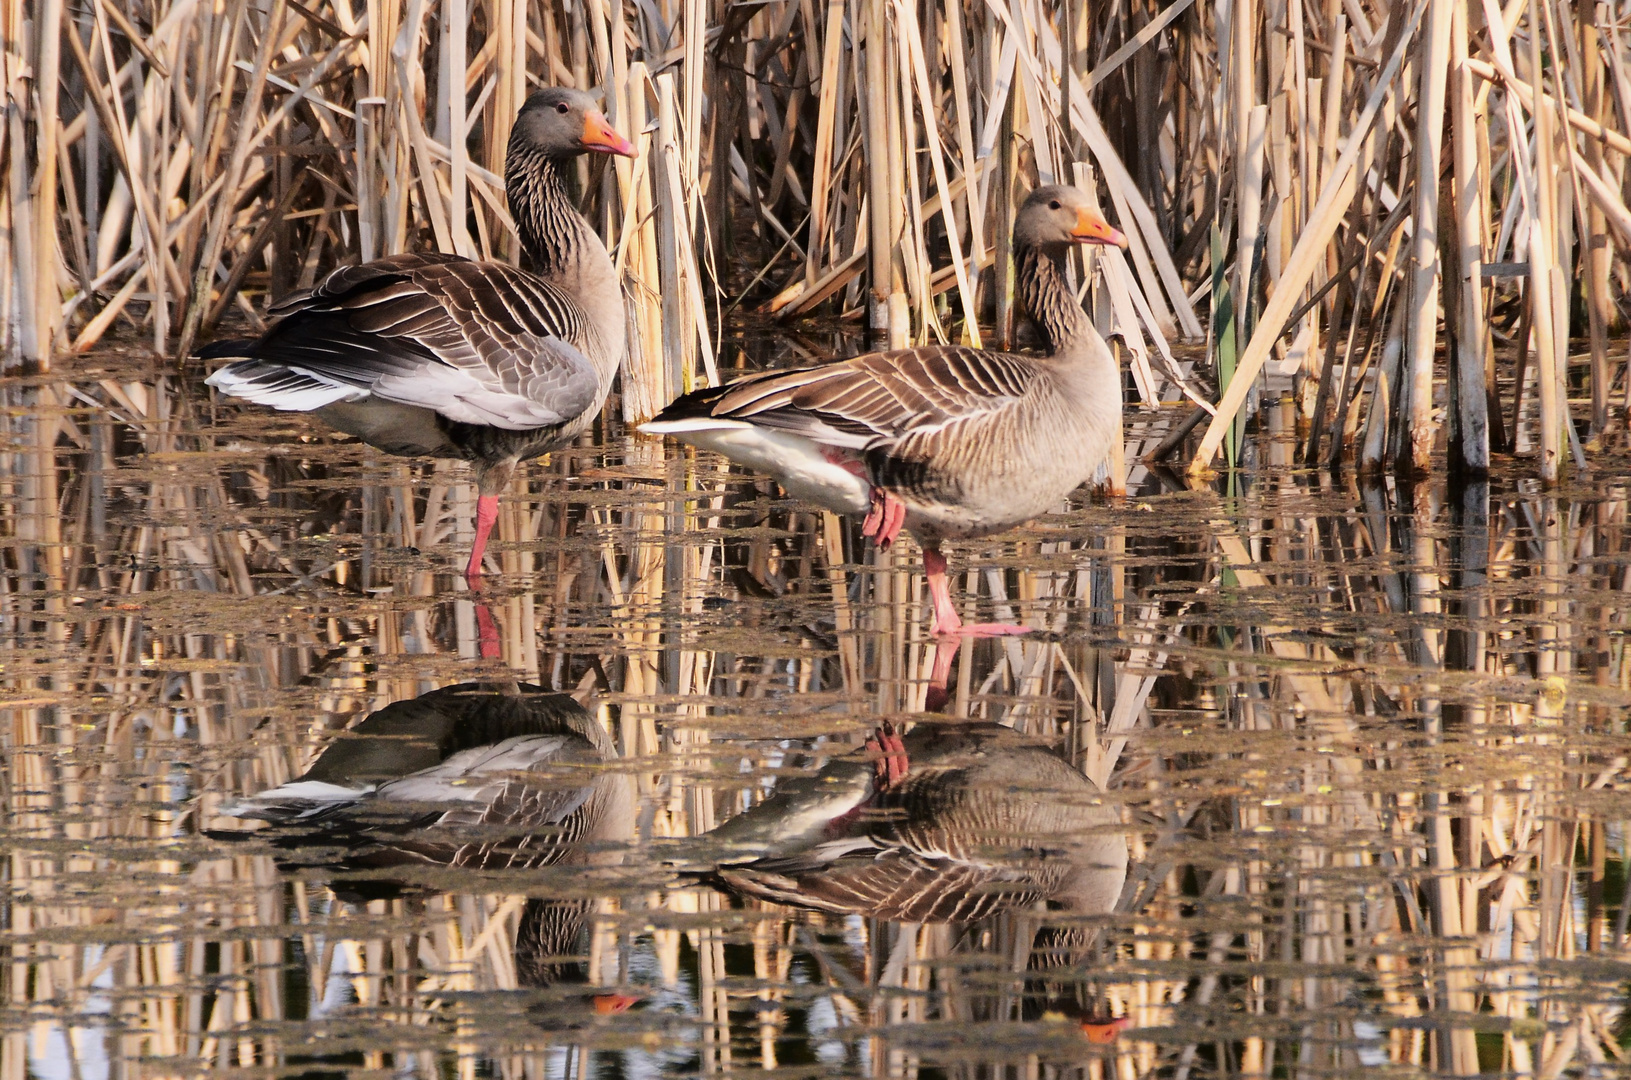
point(1322, 222)
point(1432, 65)
point(198, 190)
point(1472, 335)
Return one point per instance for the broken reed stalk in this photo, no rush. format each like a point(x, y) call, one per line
point(320, 137)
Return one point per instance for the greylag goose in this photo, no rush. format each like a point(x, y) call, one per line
point(464, 776)
point(953, 823)
point(945, 441)
point(433, 354)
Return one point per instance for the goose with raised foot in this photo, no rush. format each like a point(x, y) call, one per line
point(948, 442)
point(437, 355)
point(468, 776)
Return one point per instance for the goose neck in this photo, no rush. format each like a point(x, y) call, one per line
point(550, 226)
point(1046, 293)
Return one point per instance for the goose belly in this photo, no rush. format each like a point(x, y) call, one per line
point(408, 430)
point(803, 467)
point(413, 431)
point(958, 503)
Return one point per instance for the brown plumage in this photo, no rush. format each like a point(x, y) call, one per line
point(983, 820)
point(466, 776)
point(945, 441)
point(434, 354)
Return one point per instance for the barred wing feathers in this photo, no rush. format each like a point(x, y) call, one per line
point(871, 400)
point(479, 343)
point(889, 882)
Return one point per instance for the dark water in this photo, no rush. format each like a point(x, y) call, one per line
point(1361, 748)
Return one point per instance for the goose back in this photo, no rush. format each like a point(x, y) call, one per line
point(971, 441)
point(434, 354)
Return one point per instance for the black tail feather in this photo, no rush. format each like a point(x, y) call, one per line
point(228, 349)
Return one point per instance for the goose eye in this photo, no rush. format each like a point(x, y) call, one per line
point(563, 108)
point(1054, 205)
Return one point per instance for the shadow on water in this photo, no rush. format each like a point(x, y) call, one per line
point(1316, 777)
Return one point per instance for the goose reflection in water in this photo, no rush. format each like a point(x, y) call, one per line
point(950, 823)
point(468, 776)
point(477, 776)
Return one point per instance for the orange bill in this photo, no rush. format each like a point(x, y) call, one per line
point(1104, 1032)
point(611, 1004)
point(599, 135)
point(1092, 229)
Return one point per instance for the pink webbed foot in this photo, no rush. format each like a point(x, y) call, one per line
point(883, 522)
point(946, 621)
point(892, 763)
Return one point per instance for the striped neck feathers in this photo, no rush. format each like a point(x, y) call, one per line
point(1046, 294)
point(552, 230)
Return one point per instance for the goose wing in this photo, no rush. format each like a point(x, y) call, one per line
point(505, 784)
point(867, 401)
point(888, 883)
point(918, 855)
point(479, 343)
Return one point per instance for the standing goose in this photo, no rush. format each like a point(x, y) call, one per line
point(465, 776)
point(946, 441)
point(953, 823)
point(433, 354)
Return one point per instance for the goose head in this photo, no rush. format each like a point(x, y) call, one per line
point(1057, 216)
point(559, 122)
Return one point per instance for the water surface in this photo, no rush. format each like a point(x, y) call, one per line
point(1365, 743)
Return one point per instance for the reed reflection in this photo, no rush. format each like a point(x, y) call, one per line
point(1369, 740)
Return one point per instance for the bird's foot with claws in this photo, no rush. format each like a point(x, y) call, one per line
point(883, 522)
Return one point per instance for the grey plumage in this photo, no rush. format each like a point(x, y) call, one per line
point(465, 776)
point(985, 821)
point(970, 441)
point(429, 353)
point(435, 354)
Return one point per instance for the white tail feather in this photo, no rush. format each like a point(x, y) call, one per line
point(299, 391)
point(803, 466)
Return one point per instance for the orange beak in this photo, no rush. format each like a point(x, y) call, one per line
point(1104, 1032)
point(600, 136)
point(612, 1004)
point(1092, 229)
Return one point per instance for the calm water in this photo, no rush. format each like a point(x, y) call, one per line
point(1361, 751)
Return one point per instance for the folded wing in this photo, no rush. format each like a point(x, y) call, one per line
point(870, 400)
point(479, 343)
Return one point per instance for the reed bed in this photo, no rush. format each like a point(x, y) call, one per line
point(1368, 740)
point(1412, 217)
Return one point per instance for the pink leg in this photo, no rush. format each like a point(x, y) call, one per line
point(946, 622)
point(883, 522)
point(939, 692)
point(487, 634)
point(486, 515)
